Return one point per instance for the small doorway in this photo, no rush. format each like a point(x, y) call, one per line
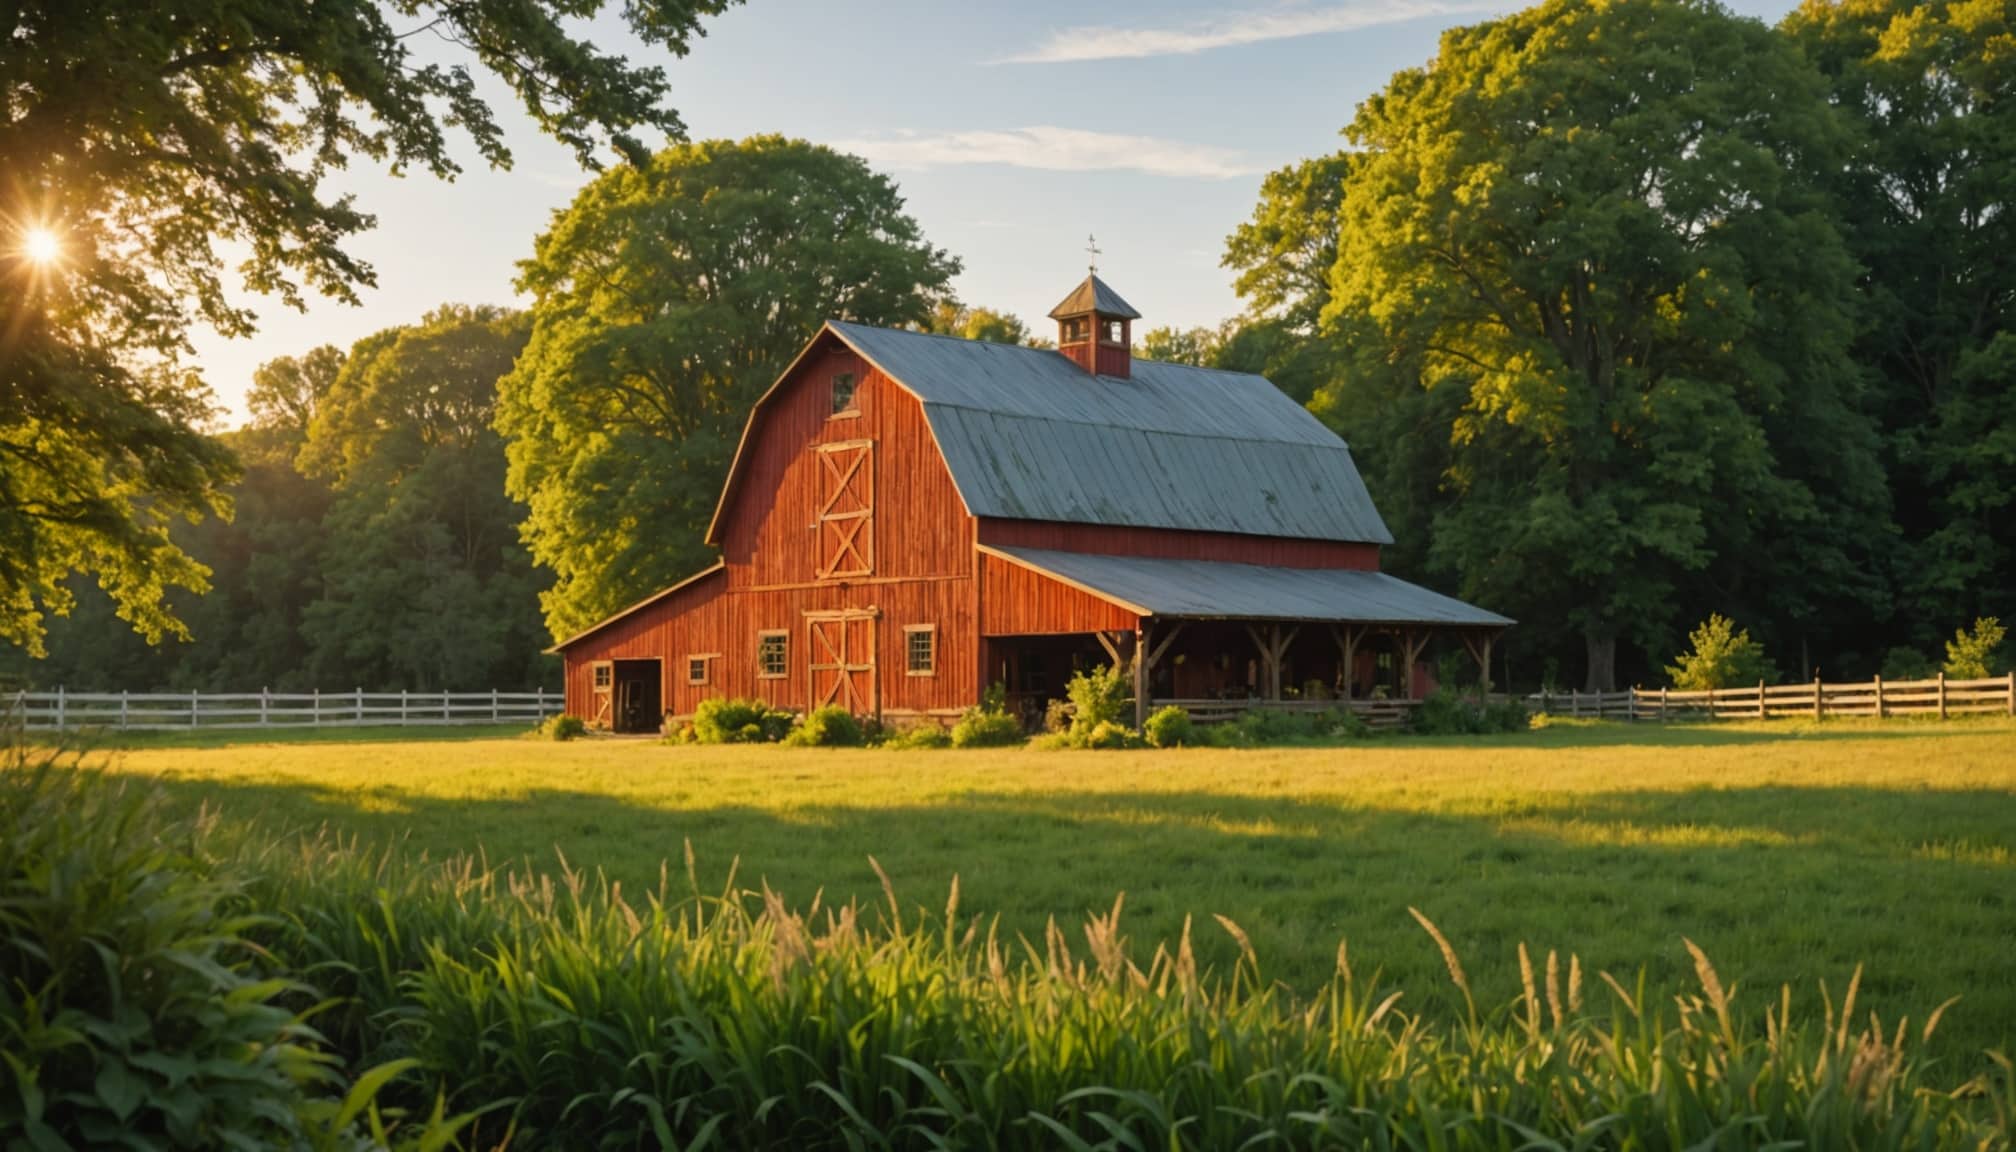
point(639, 696)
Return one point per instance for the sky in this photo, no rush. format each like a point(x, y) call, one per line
point(1014, 130)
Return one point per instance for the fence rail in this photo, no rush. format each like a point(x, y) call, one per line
point(1375, 713)
point(1936, 697)
point(63, 710)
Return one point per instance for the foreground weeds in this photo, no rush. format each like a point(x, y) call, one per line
point(559, 1011)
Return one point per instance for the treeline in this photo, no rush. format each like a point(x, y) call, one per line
point(1631, 313)
point(371, 543)
point(1634, 313)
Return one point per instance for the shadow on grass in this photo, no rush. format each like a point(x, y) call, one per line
point(1778, 884)
point(115, 740)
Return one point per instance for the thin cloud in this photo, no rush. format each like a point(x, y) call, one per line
point(1052, 148)
point(1108, 42)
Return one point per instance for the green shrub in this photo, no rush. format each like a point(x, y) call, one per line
point(1720, 656)
point(979, 728)
point(1976, 655)
point(1110, 735)
point(721, 721)
point(1907, 664)
point(1445, 713)
point(1057, 716)
point(1099, 698)
point(562, 728)
point(1345, 724)
point(135, 1009)
point(828, 727)
point(1170, 727)
point(919, 736)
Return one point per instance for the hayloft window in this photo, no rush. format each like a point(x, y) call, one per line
point(920, 648)
point(773, 655)
point(843, 393)
point(1112, 331)
point(697, 669)
point(1074, 331)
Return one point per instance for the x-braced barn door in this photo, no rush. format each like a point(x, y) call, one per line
point(847, 508)
point(841, 649)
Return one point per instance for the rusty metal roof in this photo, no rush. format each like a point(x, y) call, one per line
point(1029, 435)
point(1094, 295)
point(1206, 589)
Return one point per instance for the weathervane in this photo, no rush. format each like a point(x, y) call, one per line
point(1092, 246)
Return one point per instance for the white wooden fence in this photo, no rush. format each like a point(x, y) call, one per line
point(64, 710)
point(1936, 697)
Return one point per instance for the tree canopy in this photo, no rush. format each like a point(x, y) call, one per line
point(1603, 230)
point(666, 299)
point(142, 143)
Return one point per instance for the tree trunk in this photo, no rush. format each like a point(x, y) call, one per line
point(1602, 645)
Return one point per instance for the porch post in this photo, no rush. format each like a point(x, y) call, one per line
point(1347, 637)
point(1141, 676)
point(1484, 663)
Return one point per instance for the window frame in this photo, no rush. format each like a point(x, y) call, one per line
point(909, 653)
point(852, 410)
point(705, 662)
point(783, 638)
point(602, 675)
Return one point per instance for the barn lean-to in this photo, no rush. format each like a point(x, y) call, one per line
point(911, 517)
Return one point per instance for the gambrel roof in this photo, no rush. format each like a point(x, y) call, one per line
point(1029, 435)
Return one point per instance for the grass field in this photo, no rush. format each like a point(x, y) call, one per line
point(1790, 852)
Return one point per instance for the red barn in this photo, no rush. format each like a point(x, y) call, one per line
point(911, 517)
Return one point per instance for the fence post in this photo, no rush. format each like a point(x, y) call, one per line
point(315, 710)
point(1662, 705)
point(540, 707)
point(123, 694)
point(1942, 694)
point(1879, 697)
point(1816, 695)
point(195, 706)
point(493, 705)
point(2012, 693)
point(265, 704)
point(1761, 714)
point(360, 705)
point(1713, 714)
point(446, 718)
point(59, 707)
point(1631, 706)
point(402, 707)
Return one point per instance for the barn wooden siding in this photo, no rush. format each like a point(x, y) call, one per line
point(770, 534)
point(1171, 544)
point(1020, 601)
point(923, 561)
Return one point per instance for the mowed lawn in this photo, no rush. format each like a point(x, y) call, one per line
point(1789, 851)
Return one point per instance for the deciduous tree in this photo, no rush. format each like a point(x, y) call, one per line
point(144, 142)
point(667, 298)
point(1602, 227)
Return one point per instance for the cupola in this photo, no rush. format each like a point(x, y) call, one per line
point(1095, 328)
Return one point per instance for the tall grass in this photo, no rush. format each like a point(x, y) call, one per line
point(682, 1018)
point(559, 1011)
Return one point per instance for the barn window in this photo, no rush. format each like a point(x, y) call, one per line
point(773, 655)
point(696, 669)
point(1112, 331)
point(920, 647)
point(843, 393)
point(605, 675)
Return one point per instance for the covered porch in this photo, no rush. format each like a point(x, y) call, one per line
point(1219, 638)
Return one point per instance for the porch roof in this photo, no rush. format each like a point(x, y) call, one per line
point(1214, 590)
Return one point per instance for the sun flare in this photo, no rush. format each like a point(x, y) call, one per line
point(41, 246)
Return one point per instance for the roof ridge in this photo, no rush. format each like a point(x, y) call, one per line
point(1237, 439)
